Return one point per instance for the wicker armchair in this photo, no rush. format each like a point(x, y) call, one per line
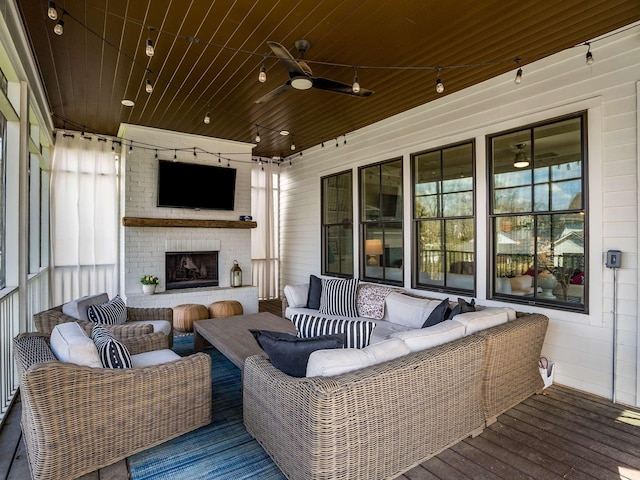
point(78, 419)
point(46, 321)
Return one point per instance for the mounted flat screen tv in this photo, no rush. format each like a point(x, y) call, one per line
point(191, 185)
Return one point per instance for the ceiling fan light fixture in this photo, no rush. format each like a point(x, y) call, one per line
point(301, 83)
point(521, 160)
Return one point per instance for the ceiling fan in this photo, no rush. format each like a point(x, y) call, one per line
point(301, 76)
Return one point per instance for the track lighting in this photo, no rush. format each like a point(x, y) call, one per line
point(262, 76)
point(356, 84)
point(207, 118)
point(589, 56)
point(52, 13)
point(59, 28)
point(439, 84)
point(148, 86)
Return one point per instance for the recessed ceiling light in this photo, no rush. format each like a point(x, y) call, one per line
point(284, 132)
point(128, 103)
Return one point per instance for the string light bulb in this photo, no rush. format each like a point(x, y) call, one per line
point(59, 28)
point(356, 84)
point(149, 50)
point(518, 78)
point(589, 55)
point(175, 156)
point(293, 145)
point(439, 84)
point(52, 13)
point(148, 86)
point(337, 142)
point(207, 118)
point(262, 76)
point(322, 144)
point(257, 136)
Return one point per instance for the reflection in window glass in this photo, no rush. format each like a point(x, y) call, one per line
point(443, 209)
point(337, 224)
point(381, 221)
point(538, 214)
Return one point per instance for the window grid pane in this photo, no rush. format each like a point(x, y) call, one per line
point(337, 224)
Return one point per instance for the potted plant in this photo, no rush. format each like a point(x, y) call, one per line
point(149, 283)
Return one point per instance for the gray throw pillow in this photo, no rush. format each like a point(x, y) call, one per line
point(439, 314)
point(290, 353)
point(315, 291)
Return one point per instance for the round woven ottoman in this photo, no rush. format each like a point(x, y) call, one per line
point(225, 308)
point(185, 315)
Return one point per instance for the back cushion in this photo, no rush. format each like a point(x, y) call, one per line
point(70, 344)
point(78, 308)
point(409, 311)
point(481, 319)
point(296, 294)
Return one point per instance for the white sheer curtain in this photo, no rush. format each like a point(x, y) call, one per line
point(84, 218)
point(265, 271)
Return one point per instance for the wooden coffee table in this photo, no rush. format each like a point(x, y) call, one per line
point(231, 335)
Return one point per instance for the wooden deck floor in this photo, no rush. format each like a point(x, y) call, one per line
point(566, 434)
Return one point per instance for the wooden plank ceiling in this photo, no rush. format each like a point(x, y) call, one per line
point(208, 54)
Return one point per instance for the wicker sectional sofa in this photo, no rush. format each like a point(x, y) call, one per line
point(380, 421)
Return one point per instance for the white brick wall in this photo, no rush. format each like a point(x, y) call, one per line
point(142, 249)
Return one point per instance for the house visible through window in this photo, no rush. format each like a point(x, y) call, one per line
point(337, 224)
point(381, 222)
point(443, 211)
point(538, 214)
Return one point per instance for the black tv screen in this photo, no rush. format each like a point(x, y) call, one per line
point(190, 185)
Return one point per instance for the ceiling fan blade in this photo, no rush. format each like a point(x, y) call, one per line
point(274, 93)
point(338, 87)
point(285, 57)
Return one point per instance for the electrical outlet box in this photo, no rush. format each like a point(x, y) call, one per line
point(614, 258)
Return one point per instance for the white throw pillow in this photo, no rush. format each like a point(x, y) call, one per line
point(326, 363)
point(70, 344)
point(78, 308)
point(409, 311)
point(429, 337)
point(481, 319)
point(296, 294)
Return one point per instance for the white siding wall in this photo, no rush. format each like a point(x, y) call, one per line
point(581, 344)
point(143, 248)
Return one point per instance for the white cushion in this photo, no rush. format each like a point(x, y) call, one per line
point(155, 357)
point(429, 337)
point(162, 326)
point(70, 344)
point(408, 311)
point(296, 294)
point(78, 308)
point(326, 363)
point(481, 319)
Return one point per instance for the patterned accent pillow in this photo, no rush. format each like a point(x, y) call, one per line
point(338, 297)
point(113, 354)
point(370, 300)
point(113, 312)
point(357, 332)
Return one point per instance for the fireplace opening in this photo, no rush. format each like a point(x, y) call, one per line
point(191, 269)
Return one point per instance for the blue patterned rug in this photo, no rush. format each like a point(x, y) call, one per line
point(221, 450)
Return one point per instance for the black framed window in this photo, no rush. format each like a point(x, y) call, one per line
point(538, 220)
point(337, 224)
point(381, 207)
point(443, 215)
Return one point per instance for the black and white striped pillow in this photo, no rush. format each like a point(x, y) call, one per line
point(357, 332)
point(338, 297)
point(113, 312)
point(113, 354)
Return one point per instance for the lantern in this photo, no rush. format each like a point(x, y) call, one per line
point(236, 275)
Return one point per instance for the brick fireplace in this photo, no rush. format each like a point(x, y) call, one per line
point(144, 248)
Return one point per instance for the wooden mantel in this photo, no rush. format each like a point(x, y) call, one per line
point(185, 222)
